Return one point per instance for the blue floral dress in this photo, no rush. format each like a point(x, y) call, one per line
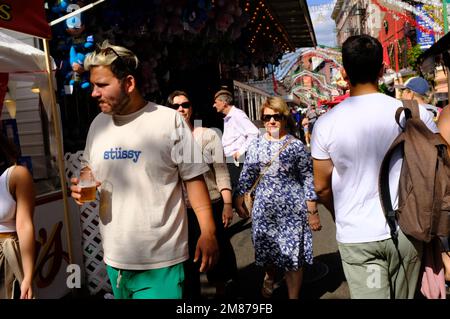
point(280, 231)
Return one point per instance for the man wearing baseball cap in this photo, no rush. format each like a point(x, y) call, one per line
point(416, 88)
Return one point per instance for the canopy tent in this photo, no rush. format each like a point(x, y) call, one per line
point(438, 48)
point(20, 61)
point(24, 62)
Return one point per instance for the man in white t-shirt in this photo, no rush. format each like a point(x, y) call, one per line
point(348, 145)
point(137, 150)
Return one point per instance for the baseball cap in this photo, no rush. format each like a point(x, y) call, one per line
point(416, 84)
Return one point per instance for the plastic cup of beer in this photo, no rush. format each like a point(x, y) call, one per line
point(87, 184)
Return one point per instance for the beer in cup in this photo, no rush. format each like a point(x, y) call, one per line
point(87, 184)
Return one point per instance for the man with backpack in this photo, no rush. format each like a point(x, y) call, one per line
point(348, 145)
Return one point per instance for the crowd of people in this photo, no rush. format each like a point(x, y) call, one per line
point(194, 180)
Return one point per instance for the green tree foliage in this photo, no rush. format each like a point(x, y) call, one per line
point(412, 55)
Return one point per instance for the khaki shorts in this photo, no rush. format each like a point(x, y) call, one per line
point(380, 270)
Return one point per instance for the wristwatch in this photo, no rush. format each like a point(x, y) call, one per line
point(315, 212)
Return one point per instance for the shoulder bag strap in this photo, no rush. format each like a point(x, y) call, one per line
point(270, 163)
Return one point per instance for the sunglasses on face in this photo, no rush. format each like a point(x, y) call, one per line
point(276, 117)
point(184, 105)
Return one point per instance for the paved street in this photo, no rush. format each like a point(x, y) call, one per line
point(324, 280)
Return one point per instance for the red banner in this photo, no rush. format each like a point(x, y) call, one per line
point(27, 16)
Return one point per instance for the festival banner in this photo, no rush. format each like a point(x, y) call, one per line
point(25, 16)
point(423, 39)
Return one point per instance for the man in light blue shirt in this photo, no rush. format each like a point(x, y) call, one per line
point(238, 130)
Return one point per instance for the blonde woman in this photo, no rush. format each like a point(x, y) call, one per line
point(285, 209)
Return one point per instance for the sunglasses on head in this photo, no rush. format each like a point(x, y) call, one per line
point(276, 117)
point(184, 105)
point(120, 59)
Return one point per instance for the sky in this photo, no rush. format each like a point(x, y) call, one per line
point(323, 24)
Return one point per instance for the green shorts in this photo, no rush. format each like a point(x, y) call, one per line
point(161, 283)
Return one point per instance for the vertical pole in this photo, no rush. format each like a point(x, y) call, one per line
point(249, 105)
point(397, 67)
point(241, 98)
point(445, 15)
point(445, 19)
point(61, 166)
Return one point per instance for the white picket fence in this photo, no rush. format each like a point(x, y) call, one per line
point(249, 99)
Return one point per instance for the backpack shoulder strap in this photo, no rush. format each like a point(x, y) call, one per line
point(411, 110)
point(413, 106)
point(383, 184)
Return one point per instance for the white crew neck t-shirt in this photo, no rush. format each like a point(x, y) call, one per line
point(137, 159)
point(356, 135)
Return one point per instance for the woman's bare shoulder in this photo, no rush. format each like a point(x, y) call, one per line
point(20, 174)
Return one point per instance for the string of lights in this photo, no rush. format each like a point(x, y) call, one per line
point(263, 26)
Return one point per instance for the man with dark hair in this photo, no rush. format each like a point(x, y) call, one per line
point(362, 57)
point(348, 145)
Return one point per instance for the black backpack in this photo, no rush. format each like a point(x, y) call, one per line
point(424, 186)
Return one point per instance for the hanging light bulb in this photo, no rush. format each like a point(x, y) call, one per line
point(35, 87)
point(10, 99)
point(11, 105)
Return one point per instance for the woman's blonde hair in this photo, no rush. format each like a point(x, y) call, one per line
point(276, 103)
